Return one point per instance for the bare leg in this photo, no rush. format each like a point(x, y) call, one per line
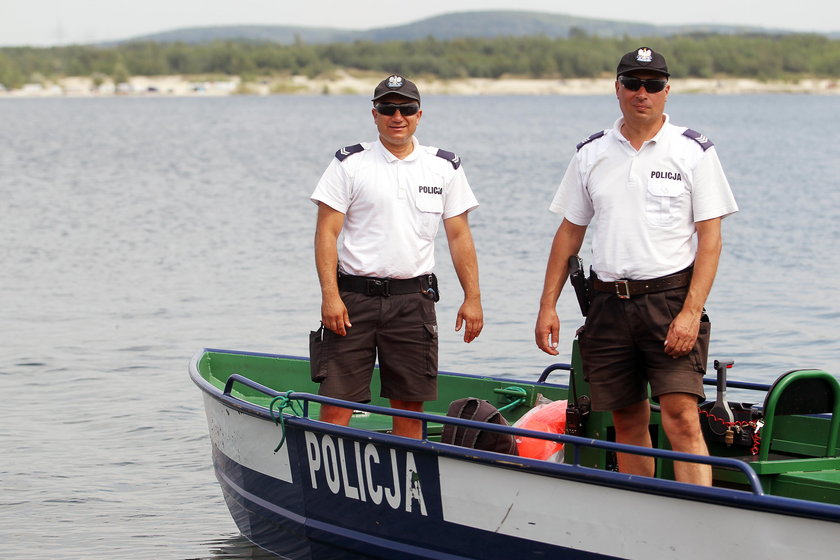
point(335, 414)
point(682, 426)
point(631, 427)
point(407, 427)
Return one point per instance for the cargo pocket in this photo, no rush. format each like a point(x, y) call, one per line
point(317, 357)
point(431, 330)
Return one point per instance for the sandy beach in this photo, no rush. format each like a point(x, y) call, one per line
point(345, 83)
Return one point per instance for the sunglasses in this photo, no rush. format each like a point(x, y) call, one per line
point(388, 109)
point(651, 86)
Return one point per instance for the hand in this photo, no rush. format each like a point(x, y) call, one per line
point(682, 334)
point(547, 331)
point(334, 315)
point(471, 314)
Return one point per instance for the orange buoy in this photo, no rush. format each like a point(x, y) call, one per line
point(548, 417)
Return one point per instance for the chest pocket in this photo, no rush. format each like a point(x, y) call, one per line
point(665, 201)
point(430, 206)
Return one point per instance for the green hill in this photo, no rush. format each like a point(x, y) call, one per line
point(480, 24)
point(459, 45)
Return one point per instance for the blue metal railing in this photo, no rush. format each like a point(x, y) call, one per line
point(425, 418)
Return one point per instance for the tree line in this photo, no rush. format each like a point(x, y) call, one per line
point(764, 57)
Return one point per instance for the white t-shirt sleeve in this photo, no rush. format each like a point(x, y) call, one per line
point(459, 196)
point(572, 199)
point(711, 195)
point(334, 188)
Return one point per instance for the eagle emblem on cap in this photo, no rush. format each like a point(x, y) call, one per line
point(644, 55)
point(395, 81)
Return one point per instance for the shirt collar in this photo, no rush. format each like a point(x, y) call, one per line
point(621, 138)
point(390, 158)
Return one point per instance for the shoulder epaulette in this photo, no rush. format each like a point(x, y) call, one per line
point(348, 151)
point(450, 157)
point(590, 139)
point(704, 142)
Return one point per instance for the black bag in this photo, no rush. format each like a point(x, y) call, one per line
point(471, 408)
point(317, 365)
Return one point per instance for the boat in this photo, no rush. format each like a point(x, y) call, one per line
point(304, 489)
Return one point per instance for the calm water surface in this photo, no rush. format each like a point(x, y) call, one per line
point(134, 232)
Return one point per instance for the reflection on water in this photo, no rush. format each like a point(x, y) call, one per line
point(236, 548)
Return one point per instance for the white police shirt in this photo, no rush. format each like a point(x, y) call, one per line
point(392, 207)
point(643, 204)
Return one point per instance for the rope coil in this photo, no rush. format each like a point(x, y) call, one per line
point(523, 394)
point(285, 401)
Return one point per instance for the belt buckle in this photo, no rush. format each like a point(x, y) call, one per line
point(626, 294)
point(376, 287)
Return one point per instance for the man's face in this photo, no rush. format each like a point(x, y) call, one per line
point(641, 105)
point(396, 129)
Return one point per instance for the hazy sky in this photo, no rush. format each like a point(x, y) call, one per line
point(55, 22)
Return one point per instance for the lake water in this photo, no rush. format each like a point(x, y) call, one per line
point(134, 232)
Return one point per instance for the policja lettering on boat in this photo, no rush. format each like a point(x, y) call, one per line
point(335, 459)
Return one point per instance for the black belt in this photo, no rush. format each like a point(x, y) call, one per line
point(625, 289)
point(385, 287)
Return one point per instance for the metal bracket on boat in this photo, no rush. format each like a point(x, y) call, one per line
point(553, 367)
point(720, 416)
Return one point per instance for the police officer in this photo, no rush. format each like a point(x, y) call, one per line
point(656, 194)
point(388, 199)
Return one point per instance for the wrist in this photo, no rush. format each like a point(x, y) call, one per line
point(473, 297)
point(692, 312)
point(330, 292)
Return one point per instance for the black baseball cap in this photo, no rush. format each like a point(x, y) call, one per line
point(643, 58)
point(396, 84)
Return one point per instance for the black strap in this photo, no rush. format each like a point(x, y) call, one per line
point(385, 287)
point(464, 436)
point(625, 289)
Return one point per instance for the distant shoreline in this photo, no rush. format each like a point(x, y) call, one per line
point(345, 84)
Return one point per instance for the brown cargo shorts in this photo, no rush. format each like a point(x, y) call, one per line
point(401, 330)
point(622, 347)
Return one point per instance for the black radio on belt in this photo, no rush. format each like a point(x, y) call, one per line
point(432, 292)
point(577, 277)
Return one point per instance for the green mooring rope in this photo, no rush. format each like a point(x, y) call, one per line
point(519, 400)
point(285, 402)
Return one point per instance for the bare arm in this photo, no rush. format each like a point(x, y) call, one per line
point(465, 261)
point(567, 242)
point(329, 225)
point(682, 334)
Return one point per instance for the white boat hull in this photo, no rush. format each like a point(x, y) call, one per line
point(334, 492)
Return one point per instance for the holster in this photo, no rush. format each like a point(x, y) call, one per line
point(580, 283)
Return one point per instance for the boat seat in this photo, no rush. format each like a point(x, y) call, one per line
point(796, 393)
point(821, 486)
